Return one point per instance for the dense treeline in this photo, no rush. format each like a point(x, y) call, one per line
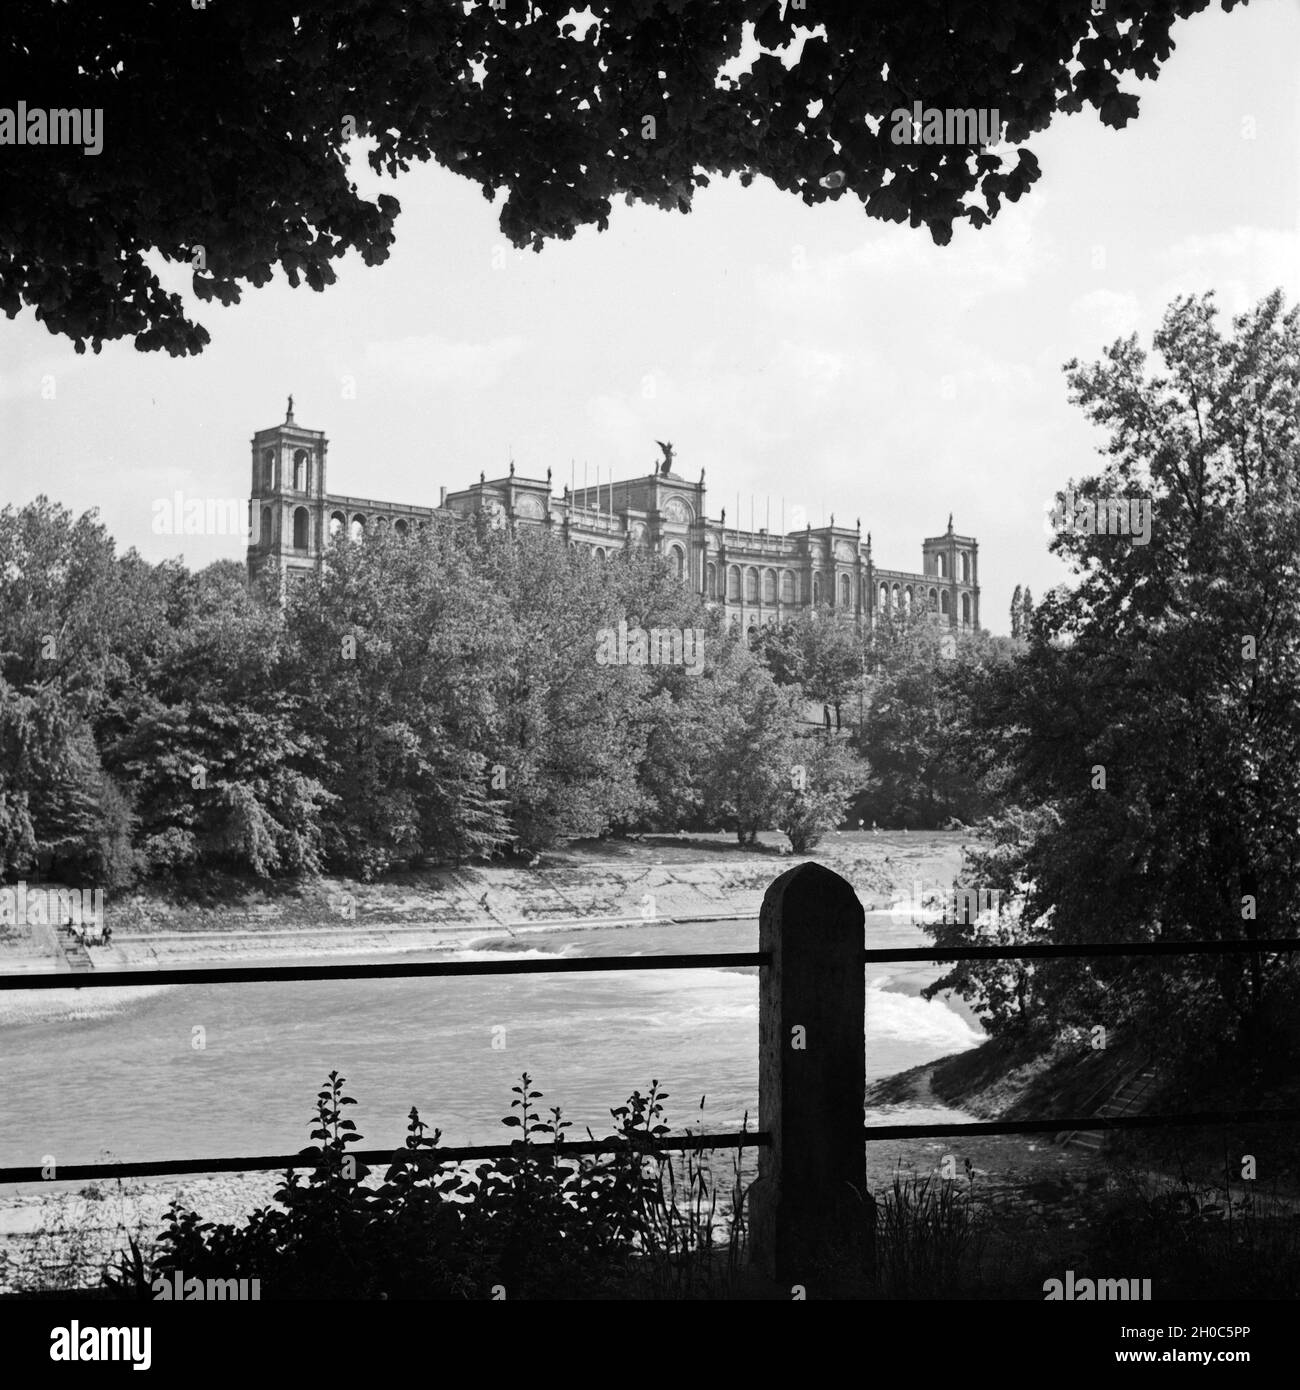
point(436, 697)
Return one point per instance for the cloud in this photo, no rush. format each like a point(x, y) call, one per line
point(616, 418)
point(1101, 316)
point(1008, 255)
point(435, 361)
point(816, 367)
point(31, 377)
point(1241, 265)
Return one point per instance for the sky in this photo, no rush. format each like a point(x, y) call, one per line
point(804, 357)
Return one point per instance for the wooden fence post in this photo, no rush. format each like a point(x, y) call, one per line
point(810, 1209)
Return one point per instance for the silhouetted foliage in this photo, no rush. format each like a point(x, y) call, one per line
point(642, 99)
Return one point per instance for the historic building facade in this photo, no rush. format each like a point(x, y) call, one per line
point(756, 576)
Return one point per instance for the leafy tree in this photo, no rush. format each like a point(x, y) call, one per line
point(913, 737)
point(570, 731)
point(823, 779)
point(119, 862)
point(211, 743)
point(60, 813)
point(683, 728)
point(647, 99)
point(1011, 996)
point(821, 651)
point(60, 615)
point(753, 756)
point(1152, 721)
point(71, 616)
point(17, 829)
point(685, 717)
point(749, 766)
point(394, 651)
point(1017, 611)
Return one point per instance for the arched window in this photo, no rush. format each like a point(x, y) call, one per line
point(266, 526)
point(677, 560)
point(945, 602)
point(381, 523)
point(268, 470)
point(787, 586)
point(751, 585)
point(600, 552)
point(884, 597)
point(338, 524)
point(401, 527)
point(941, 565)
point(907, 599)
point(965, 610)
point(733, 581)
point(769, 586)
point(817, 589)
point(301, 526)
point(965, 567)
point(301, 470)
point(846, 591)
point(711, 580)
point(357, 530)
point(896, 597)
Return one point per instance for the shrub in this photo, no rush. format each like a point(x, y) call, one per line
point(533, 1225)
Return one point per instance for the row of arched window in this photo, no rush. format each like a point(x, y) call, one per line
point(359, 524)
point(900, 596)
point(355, 527)
point(676, 557)
point(937, 565)
point(769, 619)
point(302, 469)
point(750, 584)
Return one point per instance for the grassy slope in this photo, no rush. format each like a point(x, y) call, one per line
point(709, 874)
point(1003, 1079)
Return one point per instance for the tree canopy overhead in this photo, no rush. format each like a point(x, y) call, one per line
point(226, 127)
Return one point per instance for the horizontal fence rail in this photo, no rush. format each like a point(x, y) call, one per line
point(709, 960)
point(1027, 951)
point(253, 974)
point(379, 1158)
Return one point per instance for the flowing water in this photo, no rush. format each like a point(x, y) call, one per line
point(96, 1074)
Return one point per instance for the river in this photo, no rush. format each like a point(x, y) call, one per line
point(98, 1075)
